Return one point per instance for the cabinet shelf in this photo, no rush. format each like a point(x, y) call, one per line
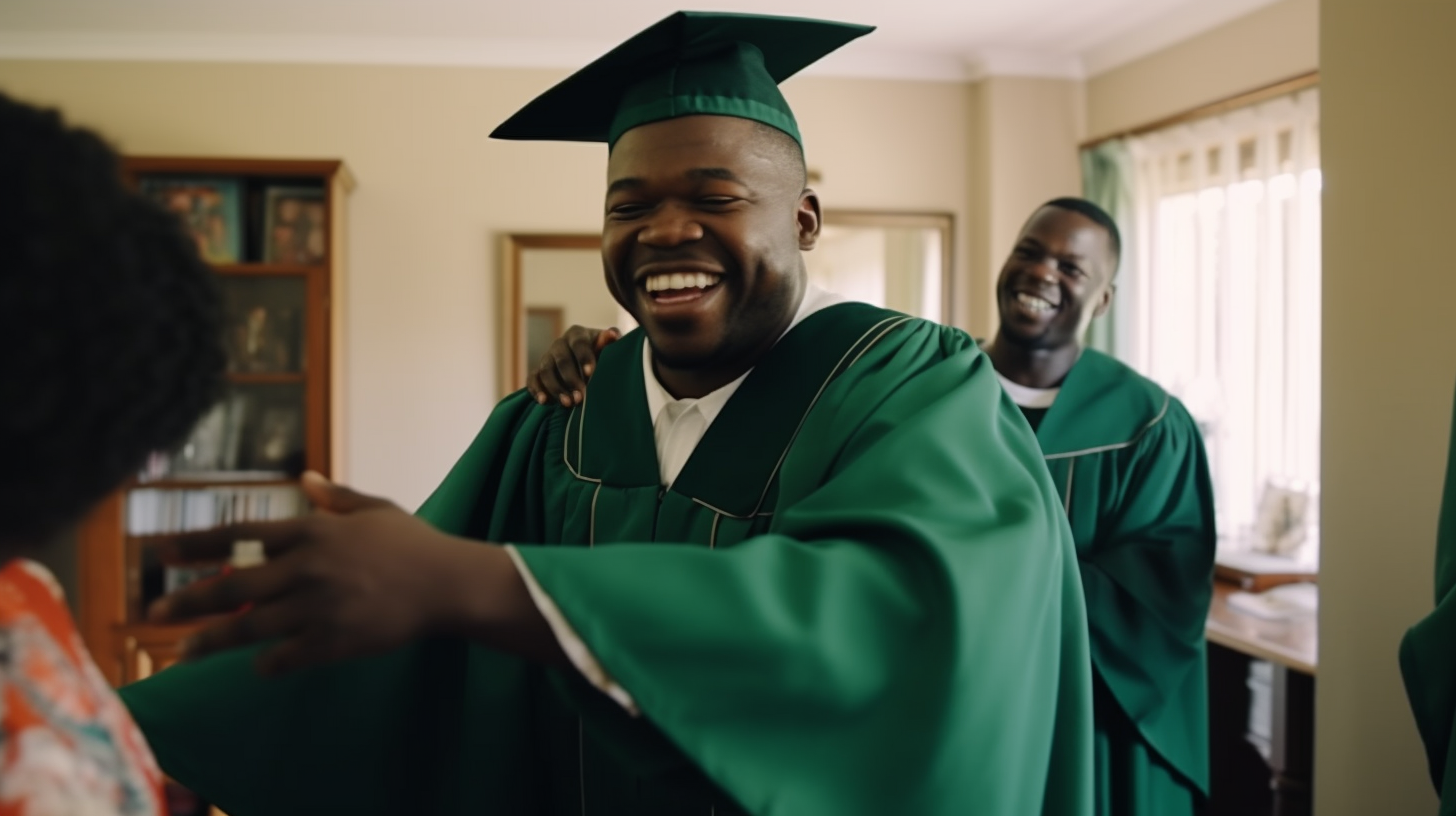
point(260, 268)
point(281, 378)
point(233, 479)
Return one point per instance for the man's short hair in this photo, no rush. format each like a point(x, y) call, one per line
point(1098, 215)
point(110, 325)
point(787, 150)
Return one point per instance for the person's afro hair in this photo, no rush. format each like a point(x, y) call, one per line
point(110, 325)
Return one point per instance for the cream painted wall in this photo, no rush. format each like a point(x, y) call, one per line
point(1023, 152)
point(892, 145)
point(1389, 370)
point(434, 194)
point(1274, 43)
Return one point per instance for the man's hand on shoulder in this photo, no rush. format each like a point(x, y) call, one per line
point(562, 372)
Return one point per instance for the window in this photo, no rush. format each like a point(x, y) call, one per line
point(1222, 297)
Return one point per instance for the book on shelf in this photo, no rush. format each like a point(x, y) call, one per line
point(158, 511)
point(1256, 571)
point(202, 477)
point(161, 511)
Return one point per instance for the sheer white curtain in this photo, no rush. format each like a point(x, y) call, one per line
point(1225, 304)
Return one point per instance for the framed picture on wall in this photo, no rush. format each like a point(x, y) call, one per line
point(295, 225)
point(210, 208)
point(543, 325)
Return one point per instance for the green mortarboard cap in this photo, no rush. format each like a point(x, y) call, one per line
point(692, 62)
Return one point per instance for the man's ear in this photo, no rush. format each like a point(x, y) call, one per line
point(1105, 302)
point(810, 219)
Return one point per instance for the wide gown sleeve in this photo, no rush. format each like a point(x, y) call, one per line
point(1428, 651)
point(1149, 582)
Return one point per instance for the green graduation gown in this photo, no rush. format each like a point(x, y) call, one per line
point(859, 597)
point(1130, 466)
point(1428, 651)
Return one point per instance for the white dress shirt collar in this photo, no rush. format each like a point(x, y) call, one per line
point(679, 424)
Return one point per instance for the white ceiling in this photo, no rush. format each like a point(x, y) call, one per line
point(929, 39)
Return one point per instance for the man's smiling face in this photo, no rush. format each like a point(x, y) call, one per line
point(1057, 279)
point(702, 236)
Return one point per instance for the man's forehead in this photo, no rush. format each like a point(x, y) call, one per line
point(625, 181)
point(702, 155)
point(1054, 226)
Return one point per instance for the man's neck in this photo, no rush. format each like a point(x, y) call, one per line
point(700, 381)
point(1032, 367)
point(693, 383)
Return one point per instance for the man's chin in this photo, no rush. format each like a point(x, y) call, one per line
point(681, 351)
point(1037, 339)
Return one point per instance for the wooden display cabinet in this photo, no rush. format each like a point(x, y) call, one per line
point(273, 232)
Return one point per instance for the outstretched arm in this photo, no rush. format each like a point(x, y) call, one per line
point(562, 372)
point(358, 577)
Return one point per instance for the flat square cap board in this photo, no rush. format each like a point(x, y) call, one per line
point(690, 63)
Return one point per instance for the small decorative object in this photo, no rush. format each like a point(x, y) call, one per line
point(1282, 524)
point(295, 225)
point(265, 323)
point(259, 339)
point(204, 449)
point(209, 208)
point(278, 443)
point(212, 447)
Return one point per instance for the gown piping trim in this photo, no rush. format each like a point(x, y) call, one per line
point(592, 534)
point(1167, 400)
point(566, 444)
point(883, 328)
point(866, 341)
point(1067, 502)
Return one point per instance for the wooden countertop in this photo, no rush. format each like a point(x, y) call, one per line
point(1292, 643)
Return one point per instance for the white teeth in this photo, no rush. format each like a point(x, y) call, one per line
point(679, 280)
point(1034, 303)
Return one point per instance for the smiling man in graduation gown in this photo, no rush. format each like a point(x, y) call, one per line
point(794, 556)
point(1129, 464)
point(1428, 651)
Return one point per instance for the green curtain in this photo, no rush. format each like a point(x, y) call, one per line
point(1107, 180)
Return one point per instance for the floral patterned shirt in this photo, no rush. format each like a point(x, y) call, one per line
point(67, 745)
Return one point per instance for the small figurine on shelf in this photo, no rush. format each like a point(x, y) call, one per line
point(258, 343)
point(279, 440)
